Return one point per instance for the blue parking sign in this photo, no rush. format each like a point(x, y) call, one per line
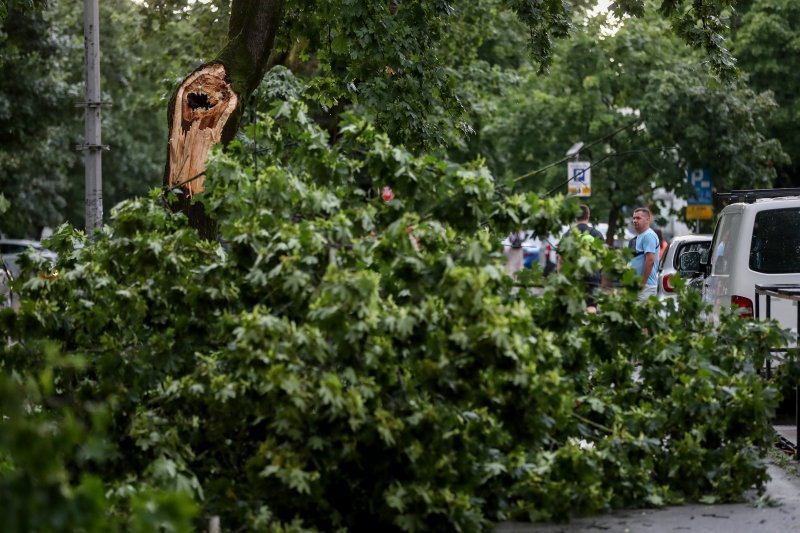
point(700, 180)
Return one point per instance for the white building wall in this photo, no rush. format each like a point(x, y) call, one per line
point(669, 205)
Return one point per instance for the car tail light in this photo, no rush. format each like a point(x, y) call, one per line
point(744, 306)
point(666, 283)
point(547, 251)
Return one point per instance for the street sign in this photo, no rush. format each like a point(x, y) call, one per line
point(699, 212)
point(700, 205)
point(700, 180)
point(579, 174)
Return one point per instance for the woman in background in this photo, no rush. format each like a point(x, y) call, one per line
point(662, 243)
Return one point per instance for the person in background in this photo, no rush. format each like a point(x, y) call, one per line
point(515, 260)
point(645, 247)
point(662, 243)
point(593, 281)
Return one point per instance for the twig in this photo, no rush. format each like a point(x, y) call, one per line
point(592, 423)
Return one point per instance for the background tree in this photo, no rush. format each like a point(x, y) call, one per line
point(403, 63)
point(36, 102)
point(722, 128)
point(639, 96)
point(144, 58)
point(766, 46)
point(381, 54)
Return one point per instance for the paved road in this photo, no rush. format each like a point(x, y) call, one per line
point(782, 514)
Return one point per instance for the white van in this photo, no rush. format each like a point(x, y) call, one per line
point(756, 241)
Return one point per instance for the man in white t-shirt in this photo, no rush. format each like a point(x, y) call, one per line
point(645, 250)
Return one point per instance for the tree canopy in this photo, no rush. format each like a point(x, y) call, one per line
point(646, 108)
point(348, 352)
point(766, 39)
point(423, 71)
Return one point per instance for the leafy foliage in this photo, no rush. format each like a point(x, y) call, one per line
point(50, 445)
point(765, 43)
point(644, 107)
point(427, 72)
point(403, 62)
point(20, 6)
point(340, 360)
point(35, 98)
point(723, 128)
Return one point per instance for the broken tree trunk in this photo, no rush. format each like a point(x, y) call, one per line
point(203, 104)
point(208, 105)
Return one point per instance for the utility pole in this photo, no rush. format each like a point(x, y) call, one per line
point(92, 146)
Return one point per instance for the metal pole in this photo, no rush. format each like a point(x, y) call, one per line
point(93, 147)
point(769, 315)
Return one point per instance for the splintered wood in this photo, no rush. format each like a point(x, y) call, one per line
point(203, 104)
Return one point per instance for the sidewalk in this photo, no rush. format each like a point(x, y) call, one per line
point(779, 512)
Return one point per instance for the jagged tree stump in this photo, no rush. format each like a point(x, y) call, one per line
point(208, 105)
point(204, 103)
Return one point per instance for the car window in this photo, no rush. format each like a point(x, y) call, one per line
point(700, 246)
point(775, 245)
point(13, 248)
point(723, 245)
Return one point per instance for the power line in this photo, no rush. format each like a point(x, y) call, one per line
point(586, 147)
point(612, 154)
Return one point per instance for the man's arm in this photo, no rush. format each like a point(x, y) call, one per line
point(649, 261)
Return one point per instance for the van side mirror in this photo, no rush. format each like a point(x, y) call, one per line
point(691, 262)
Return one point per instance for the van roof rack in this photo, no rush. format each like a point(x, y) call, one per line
point(749, 196)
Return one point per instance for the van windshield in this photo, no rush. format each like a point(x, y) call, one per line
point(775, 247)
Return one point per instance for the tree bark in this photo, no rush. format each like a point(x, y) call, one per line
point(207, 107)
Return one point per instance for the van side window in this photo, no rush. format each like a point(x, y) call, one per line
point(775, 246)
point(722, 247)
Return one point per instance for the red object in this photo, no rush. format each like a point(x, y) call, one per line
point(662, 248)
point(666, 284)
point(744, 306)
point(387, 194)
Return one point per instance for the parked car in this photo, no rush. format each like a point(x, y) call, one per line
point(6, 296)
point(11, 248)
point(670, 266)
point(755, 242)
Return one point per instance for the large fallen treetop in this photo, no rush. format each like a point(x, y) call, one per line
point(324, 369)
